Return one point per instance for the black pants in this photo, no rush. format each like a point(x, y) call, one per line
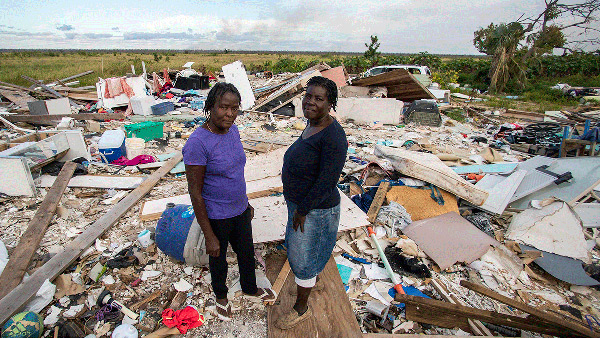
point(237, 231)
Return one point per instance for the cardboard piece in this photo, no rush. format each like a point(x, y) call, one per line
point(564, 268)
point(429, 168)
point(419, 204)
point(555, 228)
point(449, 238)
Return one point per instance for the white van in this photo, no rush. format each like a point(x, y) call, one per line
point(421, 73)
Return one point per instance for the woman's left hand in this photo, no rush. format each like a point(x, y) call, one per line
point(298, 221)
point(251, 210)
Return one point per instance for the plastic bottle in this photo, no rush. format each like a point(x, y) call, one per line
point(125, 331)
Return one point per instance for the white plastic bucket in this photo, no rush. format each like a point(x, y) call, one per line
point(135, 146)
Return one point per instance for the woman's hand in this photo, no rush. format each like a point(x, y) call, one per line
point(298, 221)
point(213, 248)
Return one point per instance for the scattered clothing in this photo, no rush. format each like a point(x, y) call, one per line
point(140, 159)
point(184, 319)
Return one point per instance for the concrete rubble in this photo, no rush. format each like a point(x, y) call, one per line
point(419, 161)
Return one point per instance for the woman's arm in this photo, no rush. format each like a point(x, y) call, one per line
point(195, 178)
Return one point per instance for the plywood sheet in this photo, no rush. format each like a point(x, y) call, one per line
point(332, 313)
point(92, 181)
point(337, 75)
point(419, 204)
point(449, 238)
point(400, 83)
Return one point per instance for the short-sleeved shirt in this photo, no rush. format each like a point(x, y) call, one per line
point(224, 190)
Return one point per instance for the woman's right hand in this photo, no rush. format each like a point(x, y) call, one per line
point(213, 248)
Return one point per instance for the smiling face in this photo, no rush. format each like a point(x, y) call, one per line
point(315, 104)
point(225, 111)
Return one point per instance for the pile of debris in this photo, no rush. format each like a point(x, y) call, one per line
point(447, 226)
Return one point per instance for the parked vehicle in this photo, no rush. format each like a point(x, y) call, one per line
point(421, 73)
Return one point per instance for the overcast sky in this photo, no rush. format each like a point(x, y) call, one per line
point(405, 26)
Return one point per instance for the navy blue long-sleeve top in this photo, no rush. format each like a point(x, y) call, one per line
point(312, 168)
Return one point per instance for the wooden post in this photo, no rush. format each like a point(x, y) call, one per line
point(19, 260)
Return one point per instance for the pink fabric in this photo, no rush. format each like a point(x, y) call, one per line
point(156, 86)
point(184, 319)
point(140, 159)
point(126, 88)
point(113, 87)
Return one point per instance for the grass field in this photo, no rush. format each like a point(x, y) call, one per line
point(48, 68)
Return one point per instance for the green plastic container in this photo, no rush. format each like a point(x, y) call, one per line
point(148, 130)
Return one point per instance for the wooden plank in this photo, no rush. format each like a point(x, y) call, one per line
point(332, 313)
point(437, 318)
point(378, 201)
point(285, 102)
point(476, 326)
point(281, 278)
point(21, 258)
point(18, 97)
point(265, 193)
point(99, 182)
point(91, 96)
point(545, 316)
point(58, 117)
point(11, 303)
point(433, 306)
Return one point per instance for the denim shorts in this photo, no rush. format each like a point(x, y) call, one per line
point(309, 251)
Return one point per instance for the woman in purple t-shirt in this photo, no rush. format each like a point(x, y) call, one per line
point(214, 164)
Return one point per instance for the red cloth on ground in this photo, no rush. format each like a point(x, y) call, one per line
point(184, 319)
point(140, 159)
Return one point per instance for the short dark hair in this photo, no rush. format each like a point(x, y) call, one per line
point(217, 92)
point(329, 86)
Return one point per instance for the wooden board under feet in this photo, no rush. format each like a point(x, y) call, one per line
point(332, 313)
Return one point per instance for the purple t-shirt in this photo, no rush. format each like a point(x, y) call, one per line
point(224, 190)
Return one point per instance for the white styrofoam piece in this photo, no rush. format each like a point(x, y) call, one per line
point(15, 177)
point(500, 189)
point(58, 106)
point(589, 214)
point(369, 110)
point(534, 180)
point(235, 73)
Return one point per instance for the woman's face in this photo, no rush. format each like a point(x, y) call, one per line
point(315, 104)
point(225, 111)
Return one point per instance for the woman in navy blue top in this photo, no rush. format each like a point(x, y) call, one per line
point(311, 169)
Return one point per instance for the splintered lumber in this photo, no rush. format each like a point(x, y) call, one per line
point(435, 312)
point(400, 84)
point(332, 313)
point(390, 335)
point(378, 201)
point(281, 278)
point(20, 98)
point(19, 260)
point(58, 117)
point(477, 327)
point(11, 303)
point(545, 316)
point(48, 89)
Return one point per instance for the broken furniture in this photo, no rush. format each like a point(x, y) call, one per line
point(19, 162)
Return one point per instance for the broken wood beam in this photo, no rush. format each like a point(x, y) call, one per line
point(477, 326)
point(48, 89)
point(58, 117)
point(148, 299)
point(550, 318)
point(12, 302)
point(422, 310)
point(21, 258)
point(378, 201)
point(278, 285)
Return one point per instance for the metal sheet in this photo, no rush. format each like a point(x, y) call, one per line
point(564, 268)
